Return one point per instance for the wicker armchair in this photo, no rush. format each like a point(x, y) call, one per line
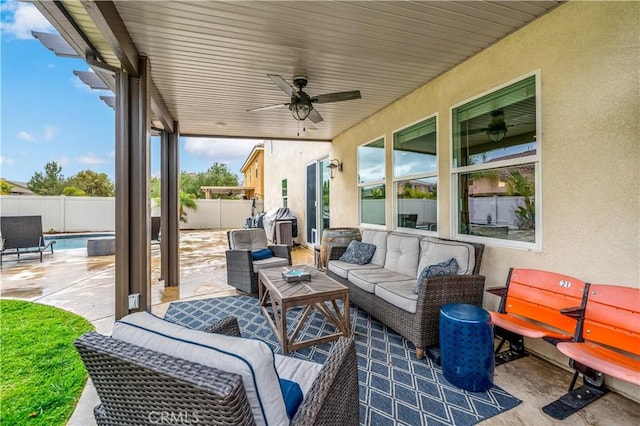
point(138, 386)
point(242, 270)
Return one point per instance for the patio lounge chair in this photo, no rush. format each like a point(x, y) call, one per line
point(138, 386)
point(244, 262)
point(22, 234)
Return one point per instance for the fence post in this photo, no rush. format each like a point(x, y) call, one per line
point(63, 213)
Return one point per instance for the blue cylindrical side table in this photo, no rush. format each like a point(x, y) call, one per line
point(466, 346)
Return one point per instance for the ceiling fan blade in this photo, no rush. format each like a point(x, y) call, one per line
point(264, 108)
point(315, 116)
point(283, 85)
point(336, 97)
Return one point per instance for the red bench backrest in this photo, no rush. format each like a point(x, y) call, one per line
point(612, 317)
point(540, 295)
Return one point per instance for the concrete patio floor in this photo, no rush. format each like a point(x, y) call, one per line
point(85, 285)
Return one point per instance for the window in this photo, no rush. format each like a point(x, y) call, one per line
point(415, 174)
point(496, 166)
point(371, 186)
point(284, 193)
point(256, 168)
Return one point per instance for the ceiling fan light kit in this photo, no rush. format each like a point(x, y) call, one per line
point(301, 105)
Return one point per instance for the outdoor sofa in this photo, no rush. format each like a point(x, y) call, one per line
point(386, 286)
point(152, 371)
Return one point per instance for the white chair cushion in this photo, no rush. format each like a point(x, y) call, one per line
point(248, 239)
point(271, 262)
point(298, 370)
point(434, 251)
point(250, 358)
point(367, 279)
point(403, 253)
point(379, 238)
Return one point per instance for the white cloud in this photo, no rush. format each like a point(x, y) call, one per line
point(63, 162)
point(50, 132)
point(220, 150)
point(22, 19)
point(26, 136)
point(5, 160)
point(91, 159)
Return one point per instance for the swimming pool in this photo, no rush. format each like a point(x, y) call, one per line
point(75, 241)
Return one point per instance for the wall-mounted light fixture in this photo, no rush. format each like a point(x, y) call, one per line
point(334, 165)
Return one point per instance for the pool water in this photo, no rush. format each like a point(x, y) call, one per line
point(66, 242)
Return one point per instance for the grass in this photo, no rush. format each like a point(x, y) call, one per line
point(42, 375)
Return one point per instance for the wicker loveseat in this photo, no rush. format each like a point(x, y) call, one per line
point(385, 287)
point(141, 386)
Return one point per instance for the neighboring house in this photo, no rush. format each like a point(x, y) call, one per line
point(19, 188)
point(253, 172)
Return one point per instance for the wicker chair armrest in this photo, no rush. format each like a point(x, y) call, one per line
point(438, 291)
point(333, 397)
point(239, 259)
point(133, 383)
point(228, 326)
point(281, 250)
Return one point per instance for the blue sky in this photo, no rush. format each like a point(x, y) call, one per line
point(48, 114)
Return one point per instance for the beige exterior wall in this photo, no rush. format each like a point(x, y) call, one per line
point(253, 179)
point(588, 58)
point(288, 160)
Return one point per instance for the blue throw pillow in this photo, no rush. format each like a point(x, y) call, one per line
point(358, 252)
point(448, 267)
point(292, 396)
point(261, 254)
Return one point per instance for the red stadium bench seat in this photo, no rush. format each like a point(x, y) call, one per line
point(607, 342)
point(531, 306)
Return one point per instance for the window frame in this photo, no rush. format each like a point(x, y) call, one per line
point(284, 192)
point(432, 174)
point(536, 160)
point(382, 182)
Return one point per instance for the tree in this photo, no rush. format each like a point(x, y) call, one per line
point(5, 187)
point(72, 191)
point(518, 184)
point(93, 184)
point(217, 175)
point(49, 183)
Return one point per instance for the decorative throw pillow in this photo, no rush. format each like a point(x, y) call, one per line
point(261, 254)
point(358, 252)
point(292, 396)
point(448, 267)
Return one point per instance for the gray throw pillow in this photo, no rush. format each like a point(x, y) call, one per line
point(448, 267)
point(358, 253)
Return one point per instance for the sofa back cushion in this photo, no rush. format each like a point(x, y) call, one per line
point(434, 251)
point(403, 253)
point(248, 239)
point(250, 358)
point(379, 239)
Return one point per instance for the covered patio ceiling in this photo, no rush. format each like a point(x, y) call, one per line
point(210, 59)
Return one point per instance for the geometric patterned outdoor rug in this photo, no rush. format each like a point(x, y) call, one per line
point(395, 387)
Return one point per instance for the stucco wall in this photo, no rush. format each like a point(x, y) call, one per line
point(587, 54)
point(288, 160)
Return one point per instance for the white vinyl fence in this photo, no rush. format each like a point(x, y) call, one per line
point(97, 214)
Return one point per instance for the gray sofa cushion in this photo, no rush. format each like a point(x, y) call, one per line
point(342, 269)
point(248, 239)
point(400, 294)
point(434, 251)
point(403, 254)
point(379, 239)
point(366, 279)
point(271, 262)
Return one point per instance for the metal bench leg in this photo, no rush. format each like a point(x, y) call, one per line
point(576, 399)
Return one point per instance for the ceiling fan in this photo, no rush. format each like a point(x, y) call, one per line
point(301, 104)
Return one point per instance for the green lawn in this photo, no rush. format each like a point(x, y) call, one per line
point(42, 375)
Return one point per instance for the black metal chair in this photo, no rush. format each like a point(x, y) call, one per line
point(22, 234)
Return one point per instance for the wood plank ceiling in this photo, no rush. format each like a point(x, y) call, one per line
point(210, 59)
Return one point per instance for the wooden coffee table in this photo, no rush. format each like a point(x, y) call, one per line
point(320, 293)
